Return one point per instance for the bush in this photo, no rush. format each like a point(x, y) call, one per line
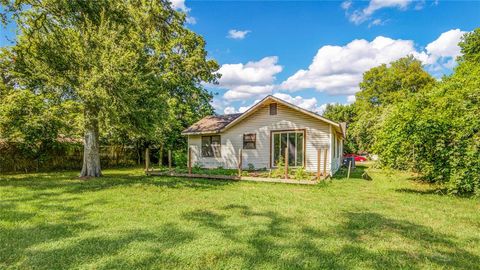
point(302, 174)
point(279, 172)
point(180, 158)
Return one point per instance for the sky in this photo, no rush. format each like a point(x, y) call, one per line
point(312, 53)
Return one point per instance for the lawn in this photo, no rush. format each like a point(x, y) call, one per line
point(126, 220)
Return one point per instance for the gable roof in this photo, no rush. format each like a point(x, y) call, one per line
point(211, 124)
point(223, 122)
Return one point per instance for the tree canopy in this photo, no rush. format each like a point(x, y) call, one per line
point(132, 67)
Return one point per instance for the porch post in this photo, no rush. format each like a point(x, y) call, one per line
point(286, 162)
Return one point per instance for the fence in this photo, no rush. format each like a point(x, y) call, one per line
point(66, 156)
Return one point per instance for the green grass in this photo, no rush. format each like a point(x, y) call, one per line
point(126, 220)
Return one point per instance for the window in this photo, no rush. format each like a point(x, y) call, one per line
point(211, 146)
point(273, 108)
point(294, 141)
point(250, 141)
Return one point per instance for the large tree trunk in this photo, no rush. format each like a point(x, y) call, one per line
point(91, 148)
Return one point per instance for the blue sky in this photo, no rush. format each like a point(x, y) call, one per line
point(291, 33)
point(314, 52)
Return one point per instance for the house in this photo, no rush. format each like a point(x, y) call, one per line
point(263, 132)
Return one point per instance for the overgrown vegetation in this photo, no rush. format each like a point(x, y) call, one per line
point(416, 123)
point(126, 220)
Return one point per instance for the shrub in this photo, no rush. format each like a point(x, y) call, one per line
point(302, 174)
point(279, 172)
point(180, 158)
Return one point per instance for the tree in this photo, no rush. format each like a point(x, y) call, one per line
point(343, 113)
point(382, 87)
point(437, 131)
point(340, 113)
point(123, 62)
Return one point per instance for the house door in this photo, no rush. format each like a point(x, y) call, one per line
point(294, 141)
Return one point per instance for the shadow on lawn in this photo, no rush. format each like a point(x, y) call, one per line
point(69, 183)
point(55, 235)
point(423, 187)
point(280, 242)
point(256, 238)
point(44, 223)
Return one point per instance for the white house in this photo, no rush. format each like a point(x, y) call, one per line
point(263, 132)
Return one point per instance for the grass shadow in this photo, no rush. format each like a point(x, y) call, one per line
point(282, 242)
point(70, 183)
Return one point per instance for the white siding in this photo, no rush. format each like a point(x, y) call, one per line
point(262, 123)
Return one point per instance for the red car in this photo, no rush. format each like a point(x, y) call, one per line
point(356, 157)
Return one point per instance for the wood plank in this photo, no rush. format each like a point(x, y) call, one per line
point(235, 178)
point(286, 160)
point(193, 175)
point(279, 180)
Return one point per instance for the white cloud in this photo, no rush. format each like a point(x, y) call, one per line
point(237, 34)
point(361, 15)
point(347, 4)
point(310, 104)
point(339, 69)
point(252, 79)
point(245, 108)
point(445, 46)
point(243, 92)
point(180, 5)
point(191, 20)
point(335, 70)
point(376, 22)
point(351, 99)
point(229, 110)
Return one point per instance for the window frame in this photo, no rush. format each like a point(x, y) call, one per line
point(288, 131)
point(254, 140)
point(215, 152)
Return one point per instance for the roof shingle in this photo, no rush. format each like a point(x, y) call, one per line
point(212, 123)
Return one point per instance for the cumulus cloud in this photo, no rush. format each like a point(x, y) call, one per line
point(237, 34)
point(249, 80)
point(337, 70)
point(180, 5)
point(229, 110)
point(361, 15)
point(445, 46)
point(310, 104)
